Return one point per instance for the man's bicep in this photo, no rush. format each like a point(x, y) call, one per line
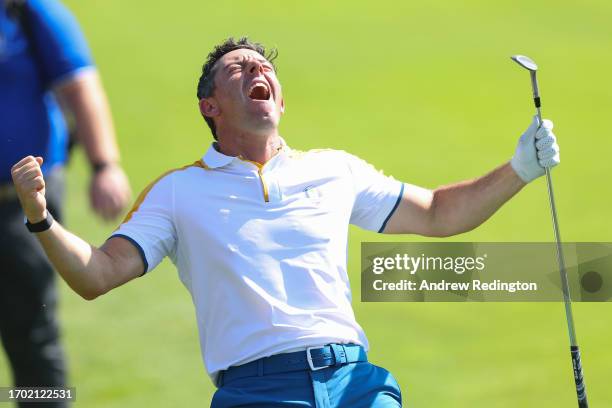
point(60, 46)
point(127, 259)
point(413, 214)
point(77, 88)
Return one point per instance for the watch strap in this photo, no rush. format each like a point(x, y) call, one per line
point(41, 225)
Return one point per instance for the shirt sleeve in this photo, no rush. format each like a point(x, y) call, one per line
point(376, 195)
point(60, 46)
point(149, 226)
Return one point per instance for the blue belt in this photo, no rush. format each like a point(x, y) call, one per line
point(314, 358)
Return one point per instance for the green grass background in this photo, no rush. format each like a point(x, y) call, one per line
point(425, 91)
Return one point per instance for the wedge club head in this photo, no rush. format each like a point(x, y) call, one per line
point(532, 67)
point(525, 62)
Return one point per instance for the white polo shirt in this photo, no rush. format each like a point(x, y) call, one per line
point(263, 249)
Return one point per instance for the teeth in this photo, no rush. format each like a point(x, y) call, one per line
point(263, 85)
point(256, 85)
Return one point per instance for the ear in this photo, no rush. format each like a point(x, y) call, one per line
point(282, 106)
point(209, 107)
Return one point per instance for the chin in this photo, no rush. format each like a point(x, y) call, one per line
point(264, 123)
point(264, 117)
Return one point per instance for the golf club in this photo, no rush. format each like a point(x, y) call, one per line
point(530, 65)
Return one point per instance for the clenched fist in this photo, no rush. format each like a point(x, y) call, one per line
point(30, 186)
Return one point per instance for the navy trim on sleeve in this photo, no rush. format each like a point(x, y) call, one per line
point(399, 197)
point(138, 247)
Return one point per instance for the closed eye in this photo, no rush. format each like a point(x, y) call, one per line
point(233, 68)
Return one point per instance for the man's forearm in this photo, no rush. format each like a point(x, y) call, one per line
point(81, 265)
point(86, 100)
point(463, 206)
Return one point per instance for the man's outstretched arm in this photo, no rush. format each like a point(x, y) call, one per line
point(455, 208)
point(461, 207)
point(88, 270)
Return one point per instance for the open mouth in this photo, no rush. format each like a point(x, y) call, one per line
point(259, 92)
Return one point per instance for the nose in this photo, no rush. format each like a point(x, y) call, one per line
point(254, 67)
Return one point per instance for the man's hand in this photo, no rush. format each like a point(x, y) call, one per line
point(109, 191)
point(30, 186)
point(537, 148)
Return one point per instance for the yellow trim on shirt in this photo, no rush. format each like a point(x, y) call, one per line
point(263, 185)
point(143, 194)
point(260, 167)
point(202, 164)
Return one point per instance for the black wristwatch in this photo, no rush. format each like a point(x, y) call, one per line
point(100, 166)
point(41, 225)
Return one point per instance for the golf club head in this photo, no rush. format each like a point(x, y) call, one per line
point(532, 67)
point(525, 62)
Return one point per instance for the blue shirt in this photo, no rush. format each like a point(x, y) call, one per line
point(31, 122)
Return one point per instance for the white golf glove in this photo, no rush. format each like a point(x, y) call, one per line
point(536, 149)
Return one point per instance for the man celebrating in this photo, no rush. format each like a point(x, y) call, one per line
point(258, 233)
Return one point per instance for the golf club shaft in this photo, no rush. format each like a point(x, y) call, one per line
point(561, 260)
point(574, 350)
point(553, 210)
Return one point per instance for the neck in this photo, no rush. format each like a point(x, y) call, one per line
point(254, 147)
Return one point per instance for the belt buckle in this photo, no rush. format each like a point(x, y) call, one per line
point(309, 359)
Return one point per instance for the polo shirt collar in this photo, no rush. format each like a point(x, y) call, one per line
point(215, 159)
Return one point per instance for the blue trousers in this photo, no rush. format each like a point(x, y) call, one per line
point(354, 385)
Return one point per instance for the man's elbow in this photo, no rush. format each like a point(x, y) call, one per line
point(448, 225)
point(89, 295)
point(435, 233)
point(91, 292)
point(445, 220)
point(449, 230)
point(444, 227)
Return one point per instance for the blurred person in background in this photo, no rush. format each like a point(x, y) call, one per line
point(45, 63)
